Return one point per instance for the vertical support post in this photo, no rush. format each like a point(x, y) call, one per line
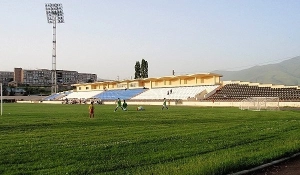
point(1, 98)
point(54, 76)
point(278, 103)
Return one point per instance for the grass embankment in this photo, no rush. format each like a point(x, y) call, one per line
point(61, 139)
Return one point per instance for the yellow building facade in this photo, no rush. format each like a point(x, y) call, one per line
point(159, 82)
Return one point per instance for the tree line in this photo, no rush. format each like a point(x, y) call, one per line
point(141, 69)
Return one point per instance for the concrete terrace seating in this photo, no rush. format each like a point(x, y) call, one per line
point(53, 96)
point(57, 95)
point(177, 92)
point(238, 92)
point(122, 94)
point(82, 95)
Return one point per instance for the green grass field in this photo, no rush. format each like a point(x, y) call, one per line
point(62, 139)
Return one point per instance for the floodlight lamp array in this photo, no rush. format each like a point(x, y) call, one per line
point(54, 11)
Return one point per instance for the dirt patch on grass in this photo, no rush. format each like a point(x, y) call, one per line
point(288, 167)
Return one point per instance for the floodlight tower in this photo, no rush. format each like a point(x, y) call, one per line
point(55, 15)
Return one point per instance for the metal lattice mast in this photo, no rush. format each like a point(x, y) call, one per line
point(54, 15)
point(53, 72)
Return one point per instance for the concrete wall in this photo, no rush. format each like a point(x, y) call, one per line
point(46, 102)
point(204, 104)
point(184, 103)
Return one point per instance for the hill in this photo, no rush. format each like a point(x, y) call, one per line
point(286, 72)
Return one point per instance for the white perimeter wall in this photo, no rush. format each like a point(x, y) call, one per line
point(184, 103)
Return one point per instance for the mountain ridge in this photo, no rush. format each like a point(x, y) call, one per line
point(286, 72)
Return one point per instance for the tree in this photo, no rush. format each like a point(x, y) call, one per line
point(144, 67)
point(4, 90)
point(141, 69)
point(137, 70)
point(11, 93)
point(12, 90)
point(90, 80)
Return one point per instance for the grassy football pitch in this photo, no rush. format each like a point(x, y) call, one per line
point(62, 139)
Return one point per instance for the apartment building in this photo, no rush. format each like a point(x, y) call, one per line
point(6, 77)
point(40, 77)
point(66, 77)
point(86, 77)
point(43, 77)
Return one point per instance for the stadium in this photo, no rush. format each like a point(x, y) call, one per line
point(202, 89)
point(194, 123)
point(203, 132)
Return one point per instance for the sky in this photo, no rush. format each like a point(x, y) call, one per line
point(107, 37)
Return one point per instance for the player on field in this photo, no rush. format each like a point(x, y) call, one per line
point(92, 109)
point(124, 106)
point(164, 104)
point(119, 105)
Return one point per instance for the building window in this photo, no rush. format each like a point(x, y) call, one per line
point(86, 88)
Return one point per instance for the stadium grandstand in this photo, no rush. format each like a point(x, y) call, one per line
point(237, 91)
point(202, 89)
point(125, 94)
point(182, 93)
